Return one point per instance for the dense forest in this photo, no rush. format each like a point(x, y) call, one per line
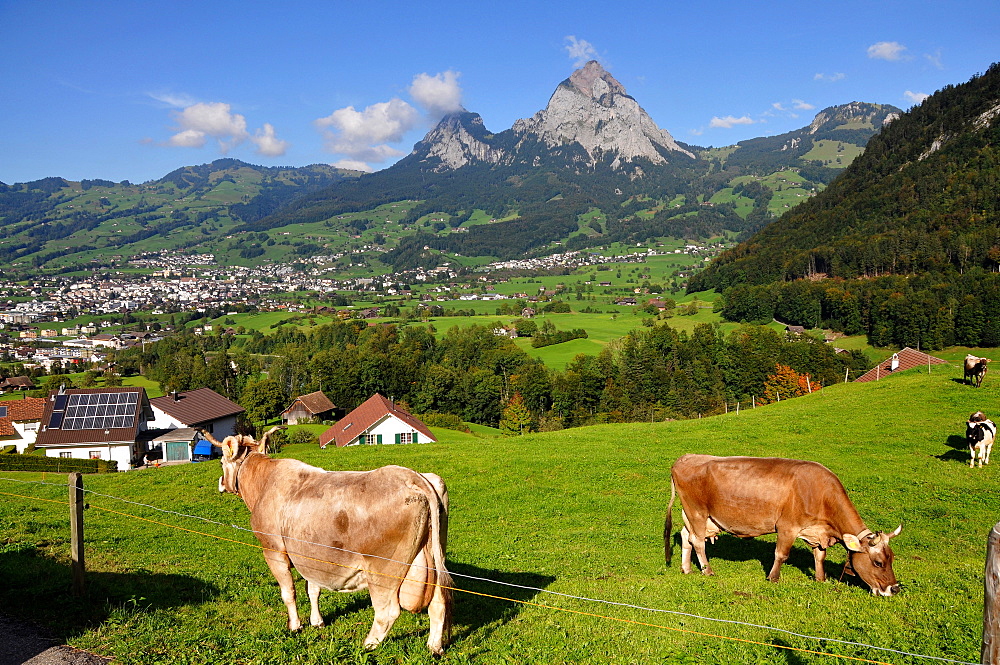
point(655, 372)
point(910, 232)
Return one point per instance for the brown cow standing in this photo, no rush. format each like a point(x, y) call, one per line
point(975, 370)
point(753, 496)
point(381, 530)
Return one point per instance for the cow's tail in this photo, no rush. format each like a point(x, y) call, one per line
point(442, 582)
point(668, 525)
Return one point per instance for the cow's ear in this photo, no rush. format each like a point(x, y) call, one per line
point(230, 446)
point(851, 542)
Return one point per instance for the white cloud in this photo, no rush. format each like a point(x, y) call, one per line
point(915, 97)
point(778, 106)
point(353, 165)
point(438, 94)
point(200, 121)
point(935, 59)
point(800, 105)
point(176, 100)
point(839, 76)
point(189, 138)
point(886, 51)
point(580, 50)
point(730, 121)
point(268, 144)
point(362, 135)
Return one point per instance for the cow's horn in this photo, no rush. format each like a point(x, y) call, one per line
point(208, 437)
point(262, 446)
point(895, 533)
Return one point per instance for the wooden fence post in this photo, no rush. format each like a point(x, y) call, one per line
point(991, 609)
point(76, 532)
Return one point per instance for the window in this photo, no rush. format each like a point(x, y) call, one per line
point(95, 454)
point(66, 455)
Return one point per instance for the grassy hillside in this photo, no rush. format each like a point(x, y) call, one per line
point(576, 512)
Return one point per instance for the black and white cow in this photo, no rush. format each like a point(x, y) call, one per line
point(980, 432)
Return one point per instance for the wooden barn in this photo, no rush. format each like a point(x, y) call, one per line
point(306, 407)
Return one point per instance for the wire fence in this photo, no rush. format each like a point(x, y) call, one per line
point(499, 583)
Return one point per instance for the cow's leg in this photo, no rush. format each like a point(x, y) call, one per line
point(437, 611)
point(315, 618)
point(697, 540)
point(685, 550)
point(972, 456)
point(989, 449)
point(819, 556)
point(281, 568)
point(786, 538)
point(385, 601)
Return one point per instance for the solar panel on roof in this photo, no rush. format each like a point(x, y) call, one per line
point(99, 410)
point(55, 422)
point(3, 411)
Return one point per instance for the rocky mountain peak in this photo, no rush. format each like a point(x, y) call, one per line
point(460, 138)
point(594, 81)
point(593, 109)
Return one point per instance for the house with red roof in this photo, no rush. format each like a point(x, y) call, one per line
point(377, 420)
point(906, 358)
point(20, 420)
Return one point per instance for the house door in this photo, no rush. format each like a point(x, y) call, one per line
point(176, 451)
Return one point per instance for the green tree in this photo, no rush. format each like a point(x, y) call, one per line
point(516, 418)
point(262, 400)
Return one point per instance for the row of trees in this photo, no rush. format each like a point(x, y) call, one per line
point(652, 373)
point(925, 312)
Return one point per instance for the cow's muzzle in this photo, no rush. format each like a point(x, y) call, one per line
point(887, 591)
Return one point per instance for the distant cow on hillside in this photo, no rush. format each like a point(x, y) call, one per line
point(975, 370)
point(980, 432)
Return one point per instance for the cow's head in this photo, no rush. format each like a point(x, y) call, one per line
point(871, 558)
point(234, 452)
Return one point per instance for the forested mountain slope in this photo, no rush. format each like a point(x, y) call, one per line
point(905, 245)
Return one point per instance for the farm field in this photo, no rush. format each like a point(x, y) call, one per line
point(568, 516)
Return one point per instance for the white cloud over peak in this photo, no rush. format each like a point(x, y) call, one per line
point(830, 78)
point(800, 105)
point(580, 50)
point(438, 94)
point(730, 121)
point(891, 51)
point(216, 120)
point(200, 121)
point(363, 135)
point(915, 97)
point(268, 144)
point(353, 165)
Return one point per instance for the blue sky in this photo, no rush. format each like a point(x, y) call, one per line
point(133, 90)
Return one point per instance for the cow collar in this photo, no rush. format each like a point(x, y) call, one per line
point(236, 475)
point(865, 534)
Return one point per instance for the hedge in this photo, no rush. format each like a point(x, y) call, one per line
point(56, 464)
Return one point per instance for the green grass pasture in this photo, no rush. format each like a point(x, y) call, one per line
point(567, 516)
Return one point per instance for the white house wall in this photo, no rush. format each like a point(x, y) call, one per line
point(220, 428)
point(28, 433)
point(389, 426)
point(120, 452)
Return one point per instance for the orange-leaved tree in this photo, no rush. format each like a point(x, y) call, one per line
point(786, 383)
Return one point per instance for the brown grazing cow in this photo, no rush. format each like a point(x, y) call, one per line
point(975, 370)
point(381, 530)
point(753, 496)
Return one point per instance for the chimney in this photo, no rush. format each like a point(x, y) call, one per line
point(176, 398)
